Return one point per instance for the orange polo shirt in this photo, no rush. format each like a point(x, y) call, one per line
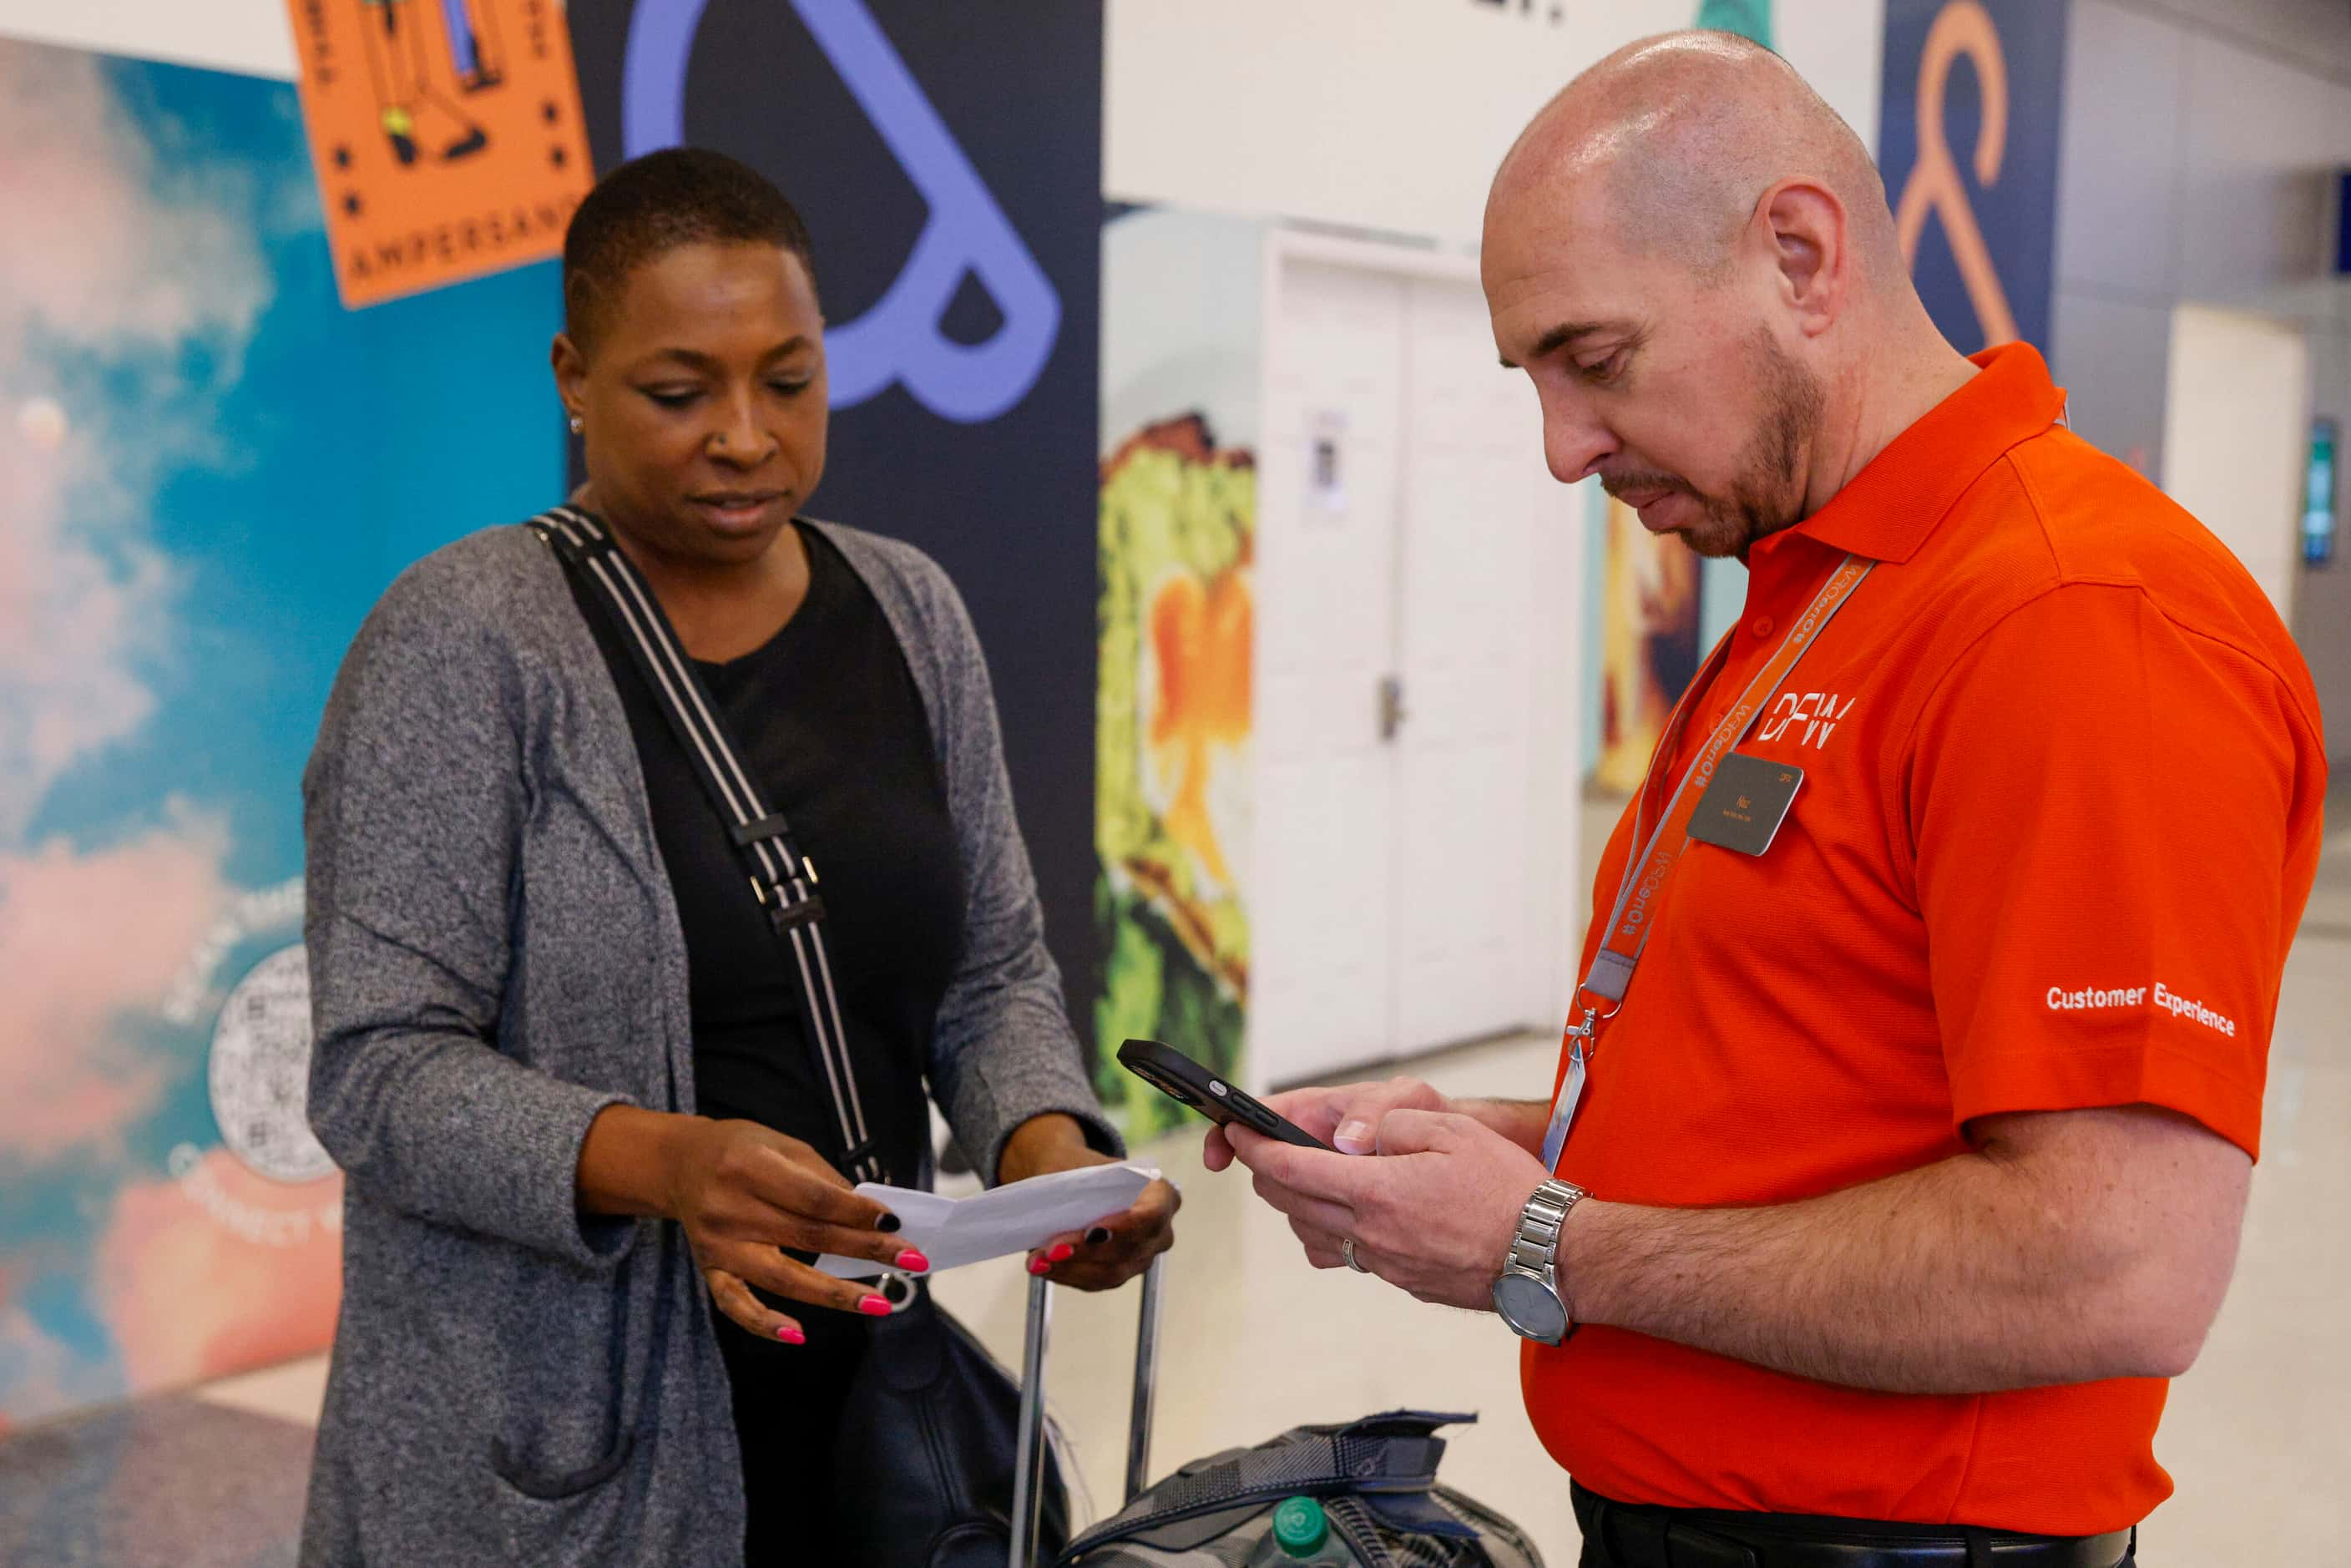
point(2061, 810)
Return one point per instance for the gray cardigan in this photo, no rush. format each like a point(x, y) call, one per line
point(494, 958)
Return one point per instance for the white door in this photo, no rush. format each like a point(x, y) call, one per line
point(1324, 909)
point(1401, 869)
point(1467, 627)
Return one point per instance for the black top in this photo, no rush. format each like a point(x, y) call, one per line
point(827, 719)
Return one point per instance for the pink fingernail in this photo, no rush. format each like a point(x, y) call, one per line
point(1038, 1265)
point(914, 1262)
point(791, 1335)
point(1062, 1253)
point(874, 1307)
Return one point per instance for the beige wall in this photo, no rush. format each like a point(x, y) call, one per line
point(252, 36)
point(2235, 435)
point(1386, 115)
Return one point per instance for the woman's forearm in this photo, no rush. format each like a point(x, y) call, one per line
point(1052, 1142)
point(627, 1160)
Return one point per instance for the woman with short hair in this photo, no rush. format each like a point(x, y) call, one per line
point(560, 1051)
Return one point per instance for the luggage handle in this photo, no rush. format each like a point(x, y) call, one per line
point(1028, 1467)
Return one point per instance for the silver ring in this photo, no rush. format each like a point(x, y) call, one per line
point(1347, 1251)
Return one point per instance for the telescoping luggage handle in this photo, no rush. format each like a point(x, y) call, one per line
point(1029, 1471)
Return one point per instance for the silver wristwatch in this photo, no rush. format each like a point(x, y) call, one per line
point(1527, 1293)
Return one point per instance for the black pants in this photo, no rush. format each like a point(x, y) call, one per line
point(1622, 1535)
point(1595, 1558)
point(787, 1404)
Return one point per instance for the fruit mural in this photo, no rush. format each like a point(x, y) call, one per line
point(1177, 525)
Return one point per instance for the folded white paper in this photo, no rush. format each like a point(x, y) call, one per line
point(953, 1231)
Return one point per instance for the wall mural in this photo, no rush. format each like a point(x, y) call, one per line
point(1178, 526)
point(208, 471)
point(948, 161)
point(1648, 642)
point(1178, 519)
point(1968, 141)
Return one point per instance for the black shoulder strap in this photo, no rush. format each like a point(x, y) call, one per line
point(783, 879)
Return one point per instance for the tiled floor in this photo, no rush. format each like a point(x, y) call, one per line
point(2258, 1435)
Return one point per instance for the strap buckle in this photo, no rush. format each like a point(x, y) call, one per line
point(745, 834)
point(785, 913)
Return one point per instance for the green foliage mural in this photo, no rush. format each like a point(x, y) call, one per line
point(1177, 524)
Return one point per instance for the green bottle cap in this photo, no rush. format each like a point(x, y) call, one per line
point(1298, 1527)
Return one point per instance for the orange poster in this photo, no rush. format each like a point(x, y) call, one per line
point(446, 135)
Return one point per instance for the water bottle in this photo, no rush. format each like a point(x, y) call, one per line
point(1302, 1538)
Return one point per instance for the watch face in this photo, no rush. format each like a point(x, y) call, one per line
point(1530, 1309)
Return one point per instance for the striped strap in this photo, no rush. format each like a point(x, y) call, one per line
point(782, 879)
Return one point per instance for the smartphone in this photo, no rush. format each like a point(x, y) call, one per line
point(1179, 1077)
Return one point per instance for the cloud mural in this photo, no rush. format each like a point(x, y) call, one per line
point(85, 596)
point(208, 471)
point(121, 333)
point(104, 931)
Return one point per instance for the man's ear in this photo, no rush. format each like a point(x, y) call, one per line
point(1811, 246)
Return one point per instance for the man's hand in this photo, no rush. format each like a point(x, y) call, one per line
point(1347, 1117)
point(1433, 1214)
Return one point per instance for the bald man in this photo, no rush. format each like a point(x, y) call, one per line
point(1902, 1134)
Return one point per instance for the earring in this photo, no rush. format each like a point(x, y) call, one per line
point(575, 425)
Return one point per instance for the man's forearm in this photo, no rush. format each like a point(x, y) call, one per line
point(1975, 1274)
point(1522, 1121)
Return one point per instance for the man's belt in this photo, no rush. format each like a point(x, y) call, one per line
point(1639, 1536)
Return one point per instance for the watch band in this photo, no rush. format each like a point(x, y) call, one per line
point(1534, 1250)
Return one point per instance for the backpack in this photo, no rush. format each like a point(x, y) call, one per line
point(1376, 1478)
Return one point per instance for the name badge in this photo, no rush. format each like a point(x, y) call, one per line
point(1745, 802)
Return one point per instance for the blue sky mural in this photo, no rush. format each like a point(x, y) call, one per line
point(208, 472)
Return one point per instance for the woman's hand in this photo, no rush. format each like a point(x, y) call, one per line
point(1113, 1249)
point(743, 1193)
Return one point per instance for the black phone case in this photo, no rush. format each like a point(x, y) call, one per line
point(1180, 1078)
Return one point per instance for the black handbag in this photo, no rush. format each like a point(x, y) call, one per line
point(923, 1462)
point(922, 1472)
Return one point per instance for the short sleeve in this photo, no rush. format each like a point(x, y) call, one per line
point(2102, 806)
